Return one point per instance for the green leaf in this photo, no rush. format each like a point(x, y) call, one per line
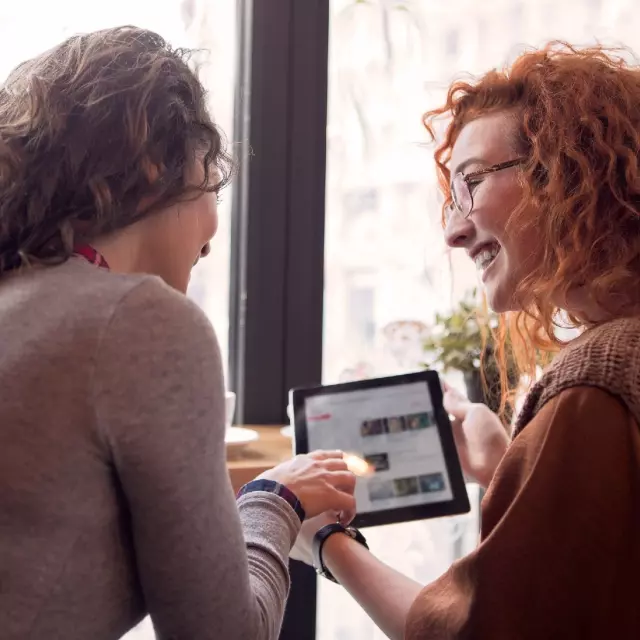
point(456, 342)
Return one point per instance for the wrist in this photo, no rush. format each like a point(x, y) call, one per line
point(340, 552)
point(271, 486)
point(335, 545)
point(329, 542)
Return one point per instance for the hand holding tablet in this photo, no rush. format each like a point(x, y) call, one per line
point(397, 439)
point(480, 437)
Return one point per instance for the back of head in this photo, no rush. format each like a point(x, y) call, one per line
point(94, 134)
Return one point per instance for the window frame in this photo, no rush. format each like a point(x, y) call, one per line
point(278, 224)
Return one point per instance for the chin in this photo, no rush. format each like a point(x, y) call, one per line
point(499, 298)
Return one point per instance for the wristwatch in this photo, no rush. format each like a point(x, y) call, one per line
point(321, 537)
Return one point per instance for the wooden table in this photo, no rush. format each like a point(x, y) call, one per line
point(266, 452)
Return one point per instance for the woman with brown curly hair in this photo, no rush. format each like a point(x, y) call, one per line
point(540, 168)
point(115, 499)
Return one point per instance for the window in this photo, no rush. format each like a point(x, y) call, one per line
point(516, 20)
point(202, 24)
point(209, 25)
point(411, 274)
point(361, 307)
point(451, 43)
point(360, 201)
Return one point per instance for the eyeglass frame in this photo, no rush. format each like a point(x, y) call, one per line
point(472, 176)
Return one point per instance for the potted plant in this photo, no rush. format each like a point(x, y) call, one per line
point(463, 341)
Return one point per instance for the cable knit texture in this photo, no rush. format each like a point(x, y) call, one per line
point(607, 357)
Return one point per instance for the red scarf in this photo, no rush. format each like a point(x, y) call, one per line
point(87, 252)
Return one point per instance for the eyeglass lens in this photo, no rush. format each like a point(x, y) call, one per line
point(461, 194)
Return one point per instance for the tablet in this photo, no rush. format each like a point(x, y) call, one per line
point(400, 428)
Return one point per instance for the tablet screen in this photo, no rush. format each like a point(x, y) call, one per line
point(394, 429)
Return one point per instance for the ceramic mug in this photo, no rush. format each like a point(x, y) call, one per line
point(229, 407)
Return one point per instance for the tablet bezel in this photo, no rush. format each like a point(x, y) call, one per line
point(459, 503)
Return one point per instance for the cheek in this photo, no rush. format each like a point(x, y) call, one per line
point(192, 228)
point(213, 214)
point(199, 222)
point(493, 215)
point(207, 216)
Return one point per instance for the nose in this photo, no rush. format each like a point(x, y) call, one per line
point(459, 231)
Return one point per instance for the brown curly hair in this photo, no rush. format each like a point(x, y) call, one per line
point(95, 134)
point(578, 116)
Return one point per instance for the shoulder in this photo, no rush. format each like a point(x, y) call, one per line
point(579, 408)
point(157, 352)
point(579, 430)
point(135, 316)
point(582, 425)
point(599, 353)
point(158, 303)
point(116, 299)
point(607, 345)
point(606, 357)
point(84, 295)
point(151, 315)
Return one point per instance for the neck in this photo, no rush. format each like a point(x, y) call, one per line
point(122, 250)
point(581, 304)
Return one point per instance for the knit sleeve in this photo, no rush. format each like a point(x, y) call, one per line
point(560, 550)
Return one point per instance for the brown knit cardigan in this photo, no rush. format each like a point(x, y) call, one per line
point(607, 357)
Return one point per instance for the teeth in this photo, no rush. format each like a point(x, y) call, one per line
point(485, 257)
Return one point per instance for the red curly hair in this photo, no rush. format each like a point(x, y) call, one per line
point(578, 116)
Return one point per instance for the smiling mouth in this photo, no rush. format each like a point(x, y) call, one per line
point(486, 257)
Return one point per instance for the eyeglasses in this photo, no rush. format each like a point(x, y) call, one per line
point(462, 188)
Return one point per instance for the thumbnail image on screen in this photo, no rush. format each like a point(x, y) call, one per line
point(397, 424)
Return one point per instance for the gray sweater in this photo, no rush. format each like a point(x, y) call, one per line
point(115, 499)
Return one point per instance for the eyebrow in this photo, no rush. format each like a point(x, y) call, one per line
point(469, 161)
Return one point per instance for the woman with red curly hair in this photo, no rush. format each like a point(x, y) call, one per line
point(540, 168)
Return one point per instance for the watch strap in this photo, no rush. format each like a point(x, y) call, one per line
point(270, 486)
point(321, 537)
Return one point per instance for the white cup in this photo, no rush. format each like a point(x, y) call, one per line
point(229, 407)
